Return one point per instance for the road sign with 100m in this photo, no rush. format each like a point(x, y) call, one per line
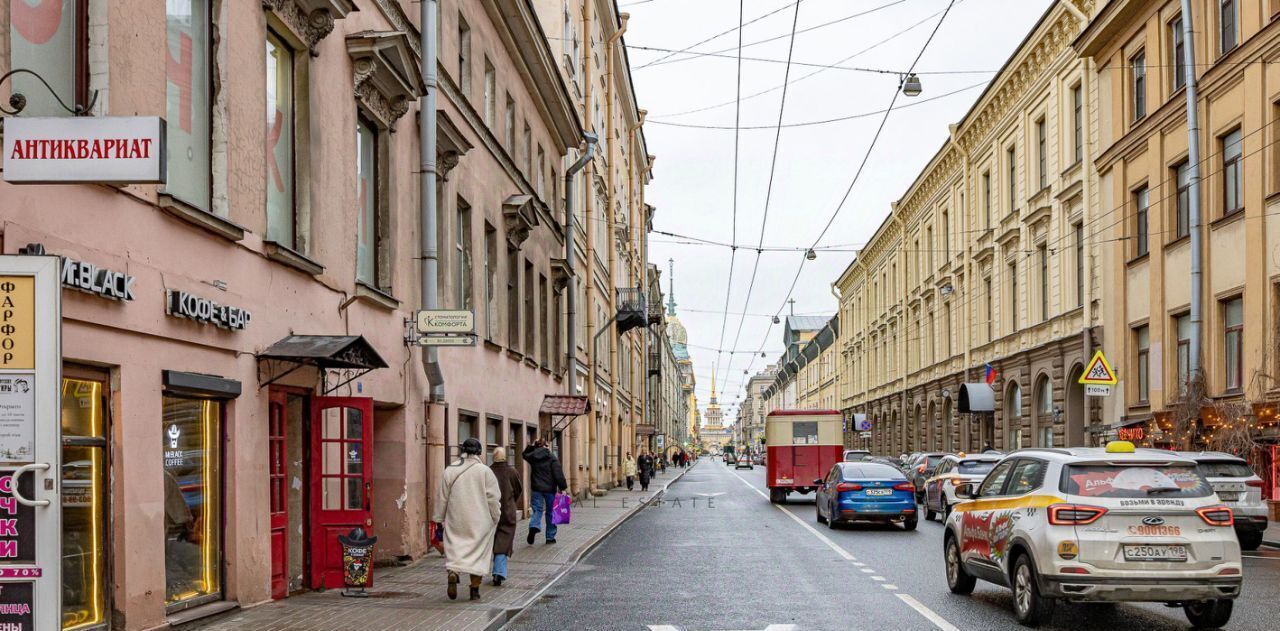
point(1095, 390)
point(446, 321)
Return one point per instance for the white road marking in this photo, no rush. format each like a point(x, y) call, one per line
point(877, 578)
point(859, 564)
point(929, 614)
point(868, 570)
point(890, 587)
point(772, 627)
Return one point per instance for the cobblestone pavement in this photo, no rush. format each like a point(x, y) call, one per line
point(413, 597)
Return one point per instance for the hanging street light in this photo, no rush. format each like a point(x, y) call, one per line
point(911, 85)
point(810, 254)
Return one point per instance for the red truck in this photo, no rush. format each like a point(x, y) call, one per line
point(802, 446)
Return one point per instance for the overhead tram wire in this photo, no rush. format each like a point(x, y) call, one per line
point(741, 24)
point(733, 252)
point(857, 174)
point(811, 74)
point(888, 71)
point(665, 61)
point(768, 196)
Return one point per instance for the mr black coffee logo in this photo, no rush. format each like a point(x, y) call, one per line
point(205, 311)
point(90, 278)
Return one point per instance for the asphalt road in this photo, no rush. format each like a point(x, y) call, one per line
point(716, 555)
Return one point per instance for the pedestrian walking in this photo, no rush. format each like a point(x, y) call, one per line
point(504, 538)
point(545, 478)
point(468, 504)
point(629, 468)
point(644, 466)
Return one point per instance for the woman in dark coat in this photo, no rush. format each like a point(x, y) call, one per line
point(504, 537)
point(644, 466)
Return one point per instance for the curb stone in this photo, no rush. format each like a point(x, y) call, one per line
point(507, 615)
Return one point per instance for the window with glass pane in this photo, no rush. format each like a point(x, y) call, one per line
point(1182, 210)
point(509, 121)
point(281, 221)
point(1079, 233)
point(1138, 70)
point(1013, 296)
point(192, 437)
point(1226, 25)
point(1043, 253)
point(490, 94)
point(513, 299)
point(463, 262)
point(1233, 342)
point(1232, 172)
point(1141, 204)
point(44, 37)
point(490, 277)
point(187, 112)
point(366, 197)
point(464, 56)
point(1012, 157)
point(84, 503)
point(1142, 341)
point(986, 196)
point(1077, 116)
point(1178, 51)
point(1182, 327)
point(1042, 153)
point(342, 459)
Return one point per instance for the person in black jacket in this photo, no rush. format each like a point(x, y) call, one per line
point(545, 478)
point(644, 466)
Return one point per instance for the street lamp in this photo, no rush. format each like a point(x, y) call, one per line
point(911, 85)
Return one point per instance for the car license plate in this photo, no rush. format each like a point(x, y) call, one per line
point(871, 492)
point(1155, 553)
point(1229, 496)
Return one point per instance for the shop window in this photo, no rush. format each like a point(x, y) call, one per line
point(187, 103)
point(1013, 415)
point(282, 225)
point(1044, 411)
point(192, 436)
point(492, 436)
point(50, 39)
point(85, 599)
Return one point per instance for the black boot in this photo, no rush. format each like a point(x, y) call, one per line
point(497, 580)
point(533, 532)
point(475, 593)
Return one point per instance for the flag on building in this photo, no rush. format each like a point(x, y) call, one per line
point(991, 375)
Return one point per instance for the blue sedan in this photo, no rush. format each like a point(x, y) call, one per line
point(866, 491)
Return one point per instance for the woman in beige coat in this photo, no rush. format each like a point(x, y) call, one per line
point(468, 505)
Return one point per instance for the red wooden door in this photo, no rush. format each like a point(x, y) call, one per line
point(341, 481)
point(277, 474)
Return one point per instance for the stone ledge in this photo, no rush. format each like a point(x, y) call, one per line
point(292, 258)
point(201, 218)
point(376, 297)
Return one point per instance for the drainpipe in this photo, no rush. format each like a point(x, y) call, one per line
point(427, 187)
point(1193, 160)
point(569, 218)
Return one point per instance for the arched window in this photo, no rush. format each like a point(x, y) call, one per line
point(1013, 416)
point(1044, 412)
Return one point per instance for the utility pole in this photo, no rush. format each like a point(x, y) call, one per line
point(1193, 162)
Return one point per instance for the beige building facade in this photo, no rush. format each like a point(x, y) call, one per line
point(986, 260)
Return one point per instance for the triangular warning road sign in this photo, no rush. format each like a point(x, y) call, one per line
point(1099, 372)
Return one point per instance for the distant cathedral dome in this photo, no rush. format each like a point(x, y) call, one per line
point(676, 330)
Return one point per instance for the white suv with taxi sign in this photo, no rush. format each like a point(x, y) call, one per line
point(1096, 525)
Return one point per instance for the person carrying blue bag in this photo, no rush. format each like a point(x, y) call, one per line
point(546, 477)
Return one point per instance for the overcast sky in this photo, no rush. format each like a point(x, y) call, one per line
point(693, 185)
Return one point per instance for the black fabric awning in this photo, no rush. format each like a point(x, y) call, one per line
point(339, 352)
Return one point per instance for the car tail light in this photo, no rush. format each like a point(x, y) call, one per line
point(1229, 571)
point(905, 486)
point(1074, 570)
point(848, 486)
point(1254, 483)
point(1074, 514)
point(1216, 515)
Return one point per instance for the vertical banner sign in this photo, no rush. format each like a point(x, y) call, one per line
point(30, 443)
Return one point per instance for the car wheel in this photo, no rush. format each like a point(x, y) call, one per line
point(1250, 540)
point(1028, 605)
point(958, 580)
point(929, 514)
point(911, 523)
point(831, 518)
point(1208, 614)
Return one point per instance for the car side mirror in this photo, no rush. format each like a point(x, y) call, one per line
point(818, 481)
point(965, 491)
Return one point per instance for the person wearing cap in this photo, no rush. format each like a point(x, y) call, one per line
point(504, 538)
point(468, 503)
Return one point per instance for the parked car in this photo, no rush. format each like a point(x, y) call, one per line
point(951, 472)
point(865, 491)
point(854, 455)
point(1240, 488)
point(1112, 524)
point(922, 468)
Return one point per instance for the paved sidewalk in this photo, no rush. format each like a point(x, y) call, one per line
point(413, 597)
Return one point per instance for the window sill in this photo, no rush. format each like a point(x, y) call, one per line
point(292, 258)
point(493, 346)
point(545, 370)
point(201, 218)
point(376, 297)
point(1138, 259)
point(515, 354)
point(530, 362)
point(1180, 239)
point(1226, 219)
point(202, 611)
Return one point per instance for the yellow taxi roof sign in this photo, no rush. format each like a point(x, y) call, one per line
point(1099, 372)
point(1120, 447)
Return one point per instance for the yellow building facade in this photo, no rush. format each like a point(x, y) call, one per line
point(986, 260)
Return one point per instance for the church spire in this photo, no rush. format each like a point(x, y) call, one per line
point(713, 385)
point(671, 287)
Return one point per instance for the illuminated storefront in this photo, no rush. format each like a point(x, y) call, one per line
point(84, 500)
point(192, 501)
